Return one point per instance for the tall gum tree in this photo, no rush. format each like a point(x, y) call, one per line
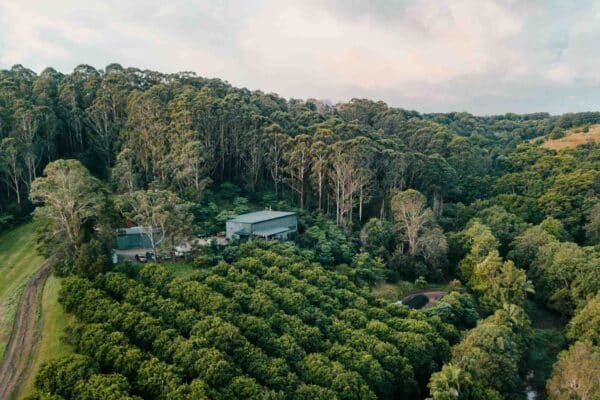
point(161, 215)
point(69, 198)
point(412, 215)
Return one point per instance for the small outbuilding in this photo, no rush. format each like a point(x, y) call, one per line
point(280, 225)
point(133, 238)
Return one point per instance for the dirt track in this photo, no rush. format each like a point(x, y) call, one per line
point(17, 356)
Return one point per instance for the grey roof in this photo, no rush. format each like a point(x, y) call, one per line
point(135, 230)
point(259, 216)
point(271, 232)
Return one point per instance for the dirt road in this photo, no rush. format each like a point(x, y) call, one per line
point(17, 356)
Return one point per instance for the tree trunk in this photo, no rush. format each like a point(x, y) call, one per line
point(320, 190)
point(360, 203)
point(17, 191)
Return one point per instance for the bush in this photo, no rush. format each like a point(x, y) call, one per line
point(557, 134)
point(421, 282)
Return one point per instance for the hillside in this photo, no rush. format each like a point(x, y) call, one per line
point(18, 262)
point(386, 202)
point(574, 137)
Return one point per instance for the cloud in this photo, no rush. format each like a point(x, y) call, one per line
point(146, 34)
point(311, 48)
point(483, 56)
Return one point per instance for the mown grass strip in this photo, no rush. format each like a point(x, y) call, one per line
point(19, 260)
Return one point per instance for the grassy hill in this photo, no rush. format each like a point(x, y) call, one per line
point(573, 138)
point(18, 262)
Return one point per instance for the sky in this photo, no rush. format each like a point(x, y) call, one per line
point(479, 56)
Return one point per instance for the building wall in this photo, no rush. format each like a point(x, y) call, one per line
point(233, 227)
point(132, 241)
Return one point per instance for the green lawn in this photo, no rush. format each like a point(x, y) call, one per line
point(18, 261)
point(53, 323)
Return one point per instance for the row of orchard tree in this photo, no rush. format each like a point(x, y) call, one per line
point(269, 324)
point(145, 129)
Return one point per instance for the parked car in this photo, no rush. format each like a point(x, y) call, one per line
point(181, 251)
point(141, 258)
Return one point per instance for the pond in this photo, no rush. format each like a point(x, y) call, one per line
point(417, 301)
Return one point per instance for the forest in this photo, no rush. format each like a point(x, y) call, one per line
point(386, 197)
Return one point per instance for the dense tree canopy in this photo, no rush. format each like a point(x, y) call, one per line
point(178, 132)
point(270, 323)
point(71, 206)
point(382, 193)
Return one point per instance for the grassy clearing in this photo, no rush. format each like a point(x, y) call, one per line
point(18, 261)
point(53, 322)
point(574, 138)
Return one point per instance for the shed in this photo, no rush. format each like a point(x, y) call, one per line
point(267, 224)
point(133, 238)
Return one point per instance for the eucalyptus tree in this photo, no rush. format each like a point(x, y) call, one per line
point(252, 157)
point(276, 144)
point(160, 214)
point(350, 177)
point(320, 156)
point(125, 176)
point(188, 161)
point(107, 114)
point(412, 216)
point(11, 166)
point(391, 173)
point(575, 374)
point(76, 93)
point(297, 158)
point(70, 204)
point(26, 131)
point(146, 134)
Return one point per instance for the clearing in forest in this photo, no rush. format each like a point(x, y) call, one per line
point(574, 138)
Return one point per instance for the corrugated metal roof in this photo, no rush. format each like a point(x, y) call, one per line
point(271, 232)
point(135, 230)
point(259, 216)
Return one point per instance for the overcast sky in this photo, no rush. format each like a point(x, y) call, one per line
point(481, 56)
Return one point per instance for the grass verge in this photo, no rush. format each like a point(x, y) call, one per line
point(19, 260)
point(53, 322)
